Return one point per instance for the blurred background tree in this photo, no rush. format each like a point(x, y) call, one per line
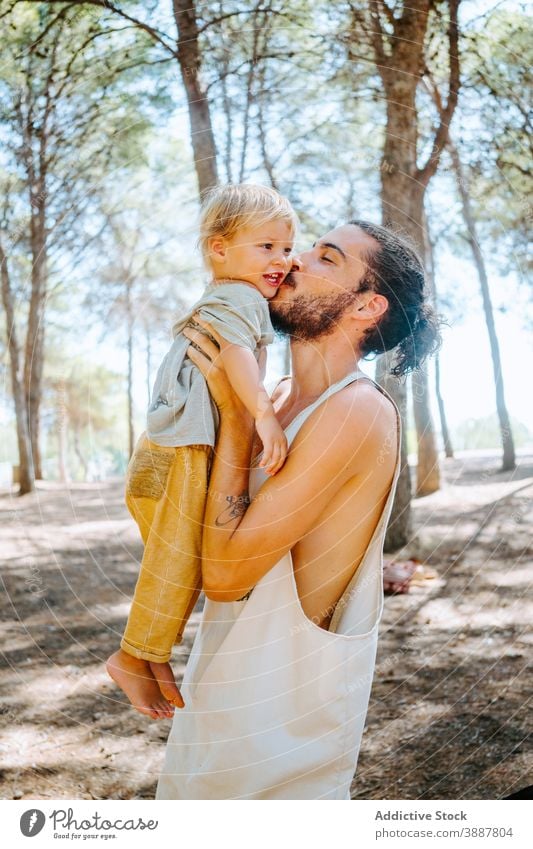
point(64, 128)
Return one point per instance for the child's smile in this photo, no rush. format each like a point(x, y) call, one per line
point(260, 255)
point(275, 279)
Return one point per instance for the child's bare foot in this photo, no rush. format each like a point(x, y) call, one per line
point(167, 684)
point(134, 676)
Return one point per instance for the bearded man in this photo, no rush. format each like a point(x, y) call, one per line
point(277, 685)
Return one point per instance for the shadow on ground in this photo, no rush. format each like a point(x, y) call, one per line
point(448, 715)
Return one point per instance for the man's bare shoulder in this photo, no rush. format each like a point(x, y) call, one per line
point(362, 410)
point(349, 428)
point(368, 402)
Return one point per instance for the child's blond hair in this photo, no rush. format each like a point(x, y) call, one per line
point(225, 209)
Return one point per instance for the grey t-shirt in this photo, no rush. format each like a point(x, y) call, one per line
point(182, 411)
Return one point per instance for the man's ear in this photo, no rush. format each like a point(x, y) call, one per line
point(217, 247)
point(373, 307)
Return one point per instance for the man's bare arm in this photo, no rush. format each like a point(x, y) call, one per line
point(242, 540)
point(343, 438)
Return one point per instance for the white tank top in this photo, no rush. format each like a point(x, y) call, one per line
point(275, 706)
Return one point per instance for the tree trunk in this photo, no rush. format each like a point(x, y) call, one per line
point(79, 455)
point(34, 353)
point(402, 208)
point(427, 469)
point(508, 460)
point(399, 42)
point(26, 472)
point(227, 109)
point(190, 61)
point(429, 256)
point(148, 362)
point(62, 462)
point(62, 444)
point(249, 99)
point(399, 529)
point(129, 319)
point(402, 204)
point(446, 438)
point(268, 165)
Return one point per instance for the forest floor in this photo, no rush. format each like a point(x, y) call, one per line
point(448, 716)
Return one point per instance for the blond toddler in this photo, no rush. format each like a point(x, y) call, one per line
point(246, 238)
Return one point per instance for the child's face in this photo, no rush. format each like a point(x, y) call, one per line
point(259, 254)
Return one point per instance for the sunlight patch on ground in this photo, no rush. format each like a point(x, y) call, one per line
point(54, 683)
point(466, 498)
point(490, 614)
point(516, 576)
point(105, 612)
point(23, 745)
point(402, 729)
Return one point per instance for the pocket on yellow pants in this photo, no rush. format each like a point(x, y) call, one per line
point(148, 470)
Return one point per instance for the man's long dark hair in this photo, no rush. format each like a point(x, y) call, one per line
point(409, 324)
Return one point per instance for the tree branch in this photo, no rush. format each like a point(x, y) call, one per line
point(378, 41)
point(61, 14)
point(105, 4)
point(440, 140)
point(389, 14)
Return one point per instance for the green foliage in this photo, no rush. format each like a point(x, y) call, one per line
point(485, 433)
point(496, 132)
point(88, 401)
point(76, 103)
point(296, 100)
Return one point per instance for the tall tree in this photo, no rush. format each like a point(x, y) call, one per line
point(508, 459)
point(491, 173)
point(61, 136)
point(429, 254)
point(134, 285)
point(189, 53)
point(427, 467)
point(186, 47)
point(403, 39)
point(26, 474)
point(85, 400)
point(124, 274)
point(498, 57)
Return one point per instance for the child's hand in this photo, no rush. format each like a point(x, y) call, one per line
point(275, 445)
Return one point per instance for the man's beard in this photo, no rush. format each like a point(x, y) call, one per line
point(310, 317)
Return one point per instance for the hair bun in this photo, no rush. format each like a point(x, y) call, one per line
point(423, 341)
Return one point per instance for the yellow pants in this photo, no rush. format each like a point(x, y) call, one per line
point(166, 490)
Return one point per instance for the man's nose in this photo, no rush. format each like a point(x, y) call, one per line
point(296, 263)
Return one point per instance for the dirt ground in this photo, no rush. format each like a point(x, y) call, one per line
point(448, 717)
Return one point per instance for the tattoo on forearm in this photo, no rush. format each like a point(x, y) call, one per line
point(237, 507)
